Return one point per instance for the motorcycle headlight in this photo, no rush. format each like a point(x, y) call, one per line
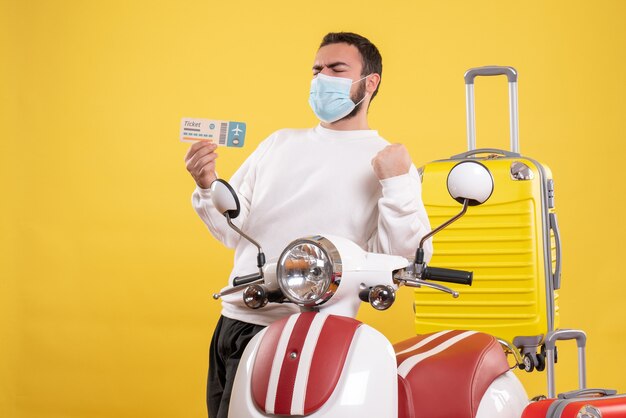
point(309, 271)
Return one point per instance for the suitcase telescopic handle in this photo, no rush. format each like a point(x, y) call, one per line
point(491, 70)
point(550, 344)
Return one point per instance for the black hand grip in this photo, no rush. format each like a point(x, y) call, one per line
point(248, 278)
point(448, 275)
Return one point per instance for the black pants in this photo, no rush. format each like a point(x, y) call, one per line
point(229, 341)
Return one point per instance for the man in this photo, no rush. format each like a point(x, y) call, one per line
point(338, 178)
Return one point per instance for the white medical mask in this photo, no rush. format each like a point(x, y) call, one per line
point(330, 97)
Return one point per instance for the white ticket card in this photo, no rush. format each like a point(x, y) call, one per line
point(220, 132)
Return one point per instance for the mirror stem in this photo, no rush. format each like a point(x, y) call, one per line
point(260, 257)
point(419, 255)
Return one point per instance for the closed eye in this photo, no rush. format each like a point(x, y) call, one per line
point(335, 67)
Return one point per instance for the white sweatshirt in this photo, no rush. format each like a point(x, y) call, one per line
point(299, 183)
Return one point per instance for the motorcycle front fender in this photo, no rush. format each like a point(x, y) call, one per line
point(367, 386)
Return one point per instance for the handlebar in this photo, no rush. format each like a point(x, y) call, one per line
point(248, 278)
point(448, 275)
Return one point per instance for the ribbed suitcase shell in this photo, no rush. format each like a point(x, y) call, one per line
point(507, 242)
point(596, 407)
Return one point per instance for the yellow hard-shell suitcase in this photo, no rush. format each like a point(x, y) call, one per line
point(511, 242)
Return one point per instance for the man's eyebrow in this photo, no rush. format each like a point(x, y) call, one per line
point(331, 65)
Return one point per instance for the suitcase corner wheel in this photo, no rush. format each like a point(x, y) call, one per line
point(537, 361)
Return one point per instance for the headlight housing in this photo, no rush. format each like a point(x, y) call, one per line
point(309, 271)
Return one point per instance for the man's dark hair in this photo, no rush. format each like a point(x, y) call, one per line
point(372, 61)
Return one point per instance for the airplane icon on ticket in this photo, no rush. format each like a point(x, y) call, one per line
point(237, 131)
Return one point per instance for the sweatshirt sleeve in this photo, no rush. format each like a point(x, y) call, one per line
point(243, 183)
point(402, 218)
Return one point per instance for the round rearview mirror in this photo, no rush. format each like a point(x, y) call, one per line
point(224, 198)
point(470, 180)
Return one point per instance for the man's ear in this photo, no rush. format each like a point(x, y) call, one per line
point(372, 83)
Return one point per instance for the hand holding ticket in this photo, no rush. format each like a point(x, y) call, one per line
point(219, 132)
point(200, 162)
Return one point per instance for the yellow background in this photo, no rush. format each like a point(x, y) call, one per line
point(106, 271)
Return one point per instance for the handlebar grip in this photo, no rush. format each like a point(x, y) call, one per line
point(249, 278)
point(448, 275)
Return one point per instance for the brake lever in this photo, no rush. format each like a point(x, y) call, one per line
point(236, 289)
point(435, 286)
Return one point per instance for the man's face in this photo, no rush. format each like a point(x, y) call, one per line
point(342, 60)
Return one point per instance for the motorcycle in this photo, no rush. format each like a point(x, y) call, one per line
point(324, 363)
